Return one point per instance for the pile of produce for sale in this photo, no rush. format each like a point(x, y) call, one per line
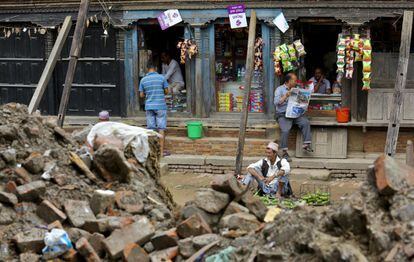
point(317, 199)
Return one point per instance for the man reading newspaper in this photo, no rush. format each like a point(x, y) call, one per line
point(291, 111)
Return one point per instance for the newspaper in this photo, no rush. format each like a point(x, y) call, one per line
point(298, 102)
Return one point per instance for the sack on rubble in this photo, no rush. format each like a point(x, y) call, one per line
point(136, 137)
point(57, 242)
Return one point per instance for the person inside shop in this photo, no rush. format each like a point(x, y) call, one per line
point(282, 94)
point(271, 173)
point(172, 72)
point(321, 84)
point(153, 87)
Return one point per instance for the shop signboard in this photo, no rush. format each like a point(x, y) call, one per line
point(281, 23)
point(169, 18)
point(237, 16)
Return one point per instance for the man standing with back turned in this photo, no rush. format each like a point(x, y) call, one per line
point(282, 94)
point(154, 87)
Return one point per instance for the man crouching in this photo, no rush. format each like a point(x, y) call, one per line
point(271, 173)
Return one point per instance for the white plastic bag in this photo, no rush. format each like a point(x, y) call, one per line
point(57, 241)
point(137, 137)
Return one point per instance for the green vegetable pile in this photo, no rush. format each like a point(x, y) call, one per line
point(269, 201)
point(317, 199)
point(288, 203)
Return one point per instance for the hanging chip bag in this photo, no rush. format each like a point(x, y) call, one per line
point(299, 48)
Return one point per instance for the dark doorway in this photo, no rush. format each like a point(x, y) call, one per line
point(320, 40)
point(152, 42)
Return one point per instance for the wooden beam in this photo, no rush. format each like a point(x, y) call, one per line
point(400, 82)
point(75, 52)
point(50, 65)
point(247, 86)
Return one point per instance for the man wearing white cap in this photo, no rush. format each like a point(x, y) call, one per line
point(271, 172)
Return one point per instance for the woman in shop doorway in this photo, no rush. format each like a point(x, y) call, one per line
point(321, 84)
point(172, 73)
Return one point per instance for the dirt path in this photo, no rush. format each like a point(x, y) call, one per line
point(184, 185)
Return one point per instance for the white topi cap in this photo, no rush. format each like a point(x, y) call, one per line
point(273, 146)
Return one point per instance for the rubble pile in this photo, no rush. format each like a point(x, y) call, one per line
point(48, 182)
point(57, 203)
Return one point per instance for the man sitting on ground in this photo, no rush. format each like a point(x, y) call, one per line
point(271, 173)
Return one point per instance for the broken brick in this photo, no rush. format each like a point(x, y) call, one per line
point(32, 191)
point(11, 187)
point(113, 160)
point(59, 179)
point(78, 212)
point(22, 173)
point(55, 224)
point(392, 176)
point(233, 208)
point(30, 241)
point(86, 250)
point(107, 224)
point(193, 226)
point(240, 221)
point(71, 256)
point(139, 232)
point(8, 198)
point(101, 200)
point(129, 201)
point(166, 239)
point(49, 213)
point(134, 252)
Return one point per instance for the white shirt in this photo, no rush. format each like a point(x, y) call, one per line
point(273, 170)
point(172, 73)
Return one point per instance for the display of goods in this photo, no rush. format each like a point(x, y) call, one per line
point(188, 48)
point(317, 199)
point(258, 54)
point(225, 102)
point(340, 63)
point(349, 69)
point(286, 57)
point(366, 65)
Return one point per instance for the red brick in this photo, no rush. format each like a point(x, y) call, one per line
point(22, 173)
point(49, 213)
point(11, 187)
point(193, 226)
point(133, 253)
point(86, 250)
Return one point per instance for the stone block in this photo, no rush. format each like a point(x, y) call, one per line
point(139, 232)
point(240, 221)
point(30, 241)
point(34, 163)
point(49, 213)
point(96, 241)
point(8, 198)
point(211, 201)
point(78, 212)
point(31, 192)
point(101, 200)
point(255, 205)
point(233, 208)
point(164, 255)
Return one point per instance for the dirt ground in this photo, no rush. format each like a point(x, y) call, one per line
point(184, 185)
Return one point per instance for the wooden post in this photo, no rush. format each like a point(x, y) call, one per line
point(50, 65)
point(75, 51)
point(247, 86)
point(409, 156)
point(400, 82)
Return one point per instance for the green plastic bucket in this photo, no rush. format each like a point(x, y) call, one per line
point(195, 129)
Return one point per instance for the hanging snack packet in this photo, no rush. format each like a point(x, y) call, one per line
point(355, 42)
point(292, 53)
point(299, 48)
point(366, 66)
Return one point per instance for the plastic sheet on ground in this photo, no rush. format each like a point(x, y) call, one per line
point(223, 256)
point(135, 136)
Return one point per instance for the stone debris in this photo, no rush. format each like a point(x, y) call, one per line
point(116, 209)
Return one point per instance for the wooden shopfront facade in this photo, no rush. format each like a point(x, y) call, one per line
point(112, 65)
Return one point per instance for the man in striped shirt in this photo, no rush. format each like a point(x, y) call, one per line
point(154, 87)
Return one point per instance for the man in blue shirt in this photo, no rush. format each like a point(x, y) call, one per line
point(282, 94)
point(154, 87)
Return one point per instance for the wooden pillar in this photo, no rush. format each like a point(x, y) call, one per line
point(188, 82)
point(409, 157)
point(198, 89)
point(400, 82)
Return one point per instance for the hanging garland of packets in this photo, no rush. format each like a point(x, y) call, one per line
point(350, 50)
point(286, 57)
point(188, 48)
point(258, 54)
point(8, 31)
